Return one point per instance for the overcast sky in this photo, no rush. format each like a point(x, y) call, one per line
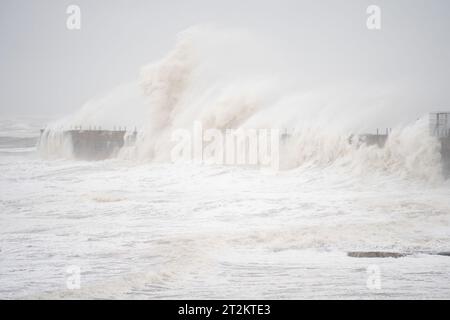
point(46, 69)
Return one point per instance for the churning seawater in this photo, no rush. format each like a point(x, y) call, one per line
point(149, 230)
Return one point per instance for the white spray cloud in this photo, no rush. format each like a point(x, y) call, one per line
point(231, 79)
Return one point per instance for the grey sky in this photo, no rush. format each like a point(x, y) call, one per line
point(47, 69)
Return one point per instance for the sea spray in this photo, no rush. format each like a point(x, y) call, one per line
point(55, 143)
point(224, 80)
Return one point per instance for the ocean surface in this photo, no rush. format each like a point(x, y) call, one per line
point(145, 230)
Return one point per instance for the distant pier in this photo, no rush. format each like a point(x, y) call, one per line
point(440, 128)
point(445, 152)
point(378, 139)
point(94, 143)
point(97, 144)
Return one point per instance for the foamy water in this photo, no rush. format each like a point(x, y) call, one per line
point(172, 231)
point(140, 226)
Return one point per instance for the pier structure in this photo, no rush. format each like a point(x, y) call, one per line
point(445, 153)
point(440, 128)
point(439, 124)
point(379, 139)
point(95, 143)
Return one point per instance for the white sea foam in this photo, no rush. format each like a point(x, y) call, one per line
point(141, 227)
point(222, 79)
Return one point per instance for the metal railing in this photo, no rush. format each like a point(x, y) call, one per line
point(440, 124)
